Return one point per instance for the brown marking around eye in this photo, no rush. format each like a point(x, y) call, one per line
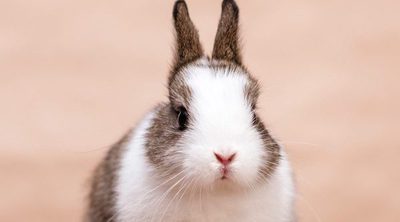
point(162, 140)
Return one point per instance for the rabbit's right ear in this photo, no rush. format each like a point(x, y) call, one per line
point(188, 47)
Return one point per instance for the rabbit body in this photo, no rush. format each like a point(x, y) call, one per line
point(203, 156)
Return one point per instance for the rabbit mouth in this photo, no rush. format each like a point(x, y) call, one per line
point(225, 173)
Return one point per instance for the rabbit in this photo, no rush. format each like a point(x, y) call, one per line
point(205, 155)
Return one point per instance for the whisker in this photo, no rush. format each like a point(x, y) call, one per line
point(170, 202)
point(162, 198)
point(143, 197)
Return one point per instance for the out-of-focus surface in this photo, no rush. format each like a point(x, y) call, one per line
point(75, 75)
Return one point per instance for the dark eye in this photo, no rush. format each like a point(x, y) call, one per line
point(182, 118)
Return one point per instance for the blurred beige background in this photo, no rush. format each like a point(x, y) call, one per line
point(75, 75)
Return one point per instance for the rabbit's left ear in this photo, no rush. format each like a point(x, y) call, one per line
point(188, 47)
point(227, 46)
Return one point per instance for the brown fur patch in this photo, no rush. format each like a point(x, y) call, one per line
point(102, 195)
point(272, 148)
point(179, 92)
point(252, 92)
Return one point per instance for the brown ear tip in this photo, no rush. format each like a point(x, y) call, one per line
point(231, 5)
point(179, 7)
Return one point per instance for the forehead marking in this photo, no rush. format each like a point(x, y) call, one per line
point(215, 85)
point(218, 95)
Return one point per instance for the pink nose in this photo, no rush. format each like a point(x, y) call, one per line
point(225, 159)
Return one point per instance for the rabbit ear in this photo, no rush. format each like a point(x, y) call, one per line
point(188, 47)
point(226, 45)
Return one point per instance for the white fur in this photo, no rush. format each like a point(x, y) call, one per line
point(222, 123)
point(133, 174)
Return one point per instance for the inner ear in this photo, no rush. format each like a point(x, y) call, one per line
point(226, 45)
point(187, 47)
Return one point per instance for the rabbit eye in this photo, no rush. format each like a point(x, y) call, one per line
point(182, 118)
